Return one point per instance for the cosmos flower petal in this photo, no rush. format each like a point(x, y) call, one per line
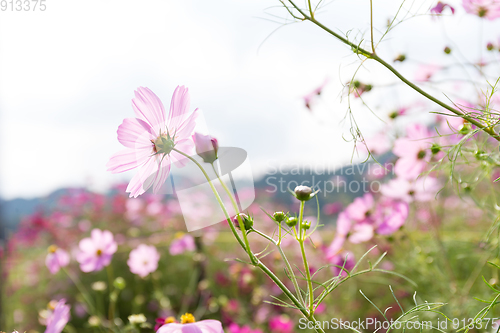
point(179, 106)
point(127, 159)
point(135, 133)
point(161, 176)
point(148, 107)
point(142, 180)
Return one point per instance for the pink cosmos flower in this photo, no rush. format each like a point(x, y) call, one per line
point(309, 98)
point(150, 139)
point(361, 232)
point(143, 260)
point(56, 258)
point(206, 147)
point(343, 259)
point(440, 6)
point(190, 326)
point(59, 318)
point(281, 324)
point(97, 251)
point(181, 244)
point(361, 208)
point(489, 9)
point(413, 151)
point(425, 72)
point(423, 189)
point(392, 216)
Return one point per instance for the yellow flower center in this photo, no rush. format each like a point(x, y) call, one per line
point(99, 252)
point(179, 234)
point(169, 320)
point(52, 249)
point(187, 318)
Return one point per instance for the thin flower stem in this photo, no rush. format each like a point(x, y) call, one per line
point(371, 25)
point(84, 293)
point(359, 50)
point(304, 259)
point(259, 263)
point(217, 196)
point(112, 297)
point(287, 264)
point(240, 221)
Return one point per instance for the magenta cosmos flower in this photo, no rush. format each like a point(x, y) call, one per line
point(59, 318)
point(143, 260)
point(440, 6)
point(150, 139)
point(182, 243)
point(489, 9)
point(97, 251)
point(56, 259)
point(189, 325)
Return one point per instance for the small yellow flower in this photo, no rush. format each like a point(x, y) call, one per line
point(187, 318)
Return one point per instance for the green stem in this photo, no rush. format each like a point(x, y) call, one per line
point(359, 50)
point(287, 264)
point(217, 196)
point(112, 297)
point(240, 221)
point(259, 264)
point(304, 259)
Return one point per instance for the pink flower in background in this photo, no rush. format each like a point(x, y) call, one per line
point(309, 98)
point(206, 147)
point(440, 6)
point(422, 189)
point(281, 324)
point(413, 152)
point(344, 259)
point(182, 243)
point(361, 232)
point(378, 144)
point(189, 325)
point(425, 72)
point(489, 9)
point(361, 208)
point(143, 260)
point(393, 214)
point(56, 258)
point(97, 251)
point(150, 139)
point(234, 328)
point(59, 318)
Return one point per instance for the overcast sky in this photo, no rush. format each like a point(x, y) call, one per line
point(68, 75)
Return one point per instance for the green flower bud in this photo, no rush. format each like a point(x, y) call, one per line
point(490, 46)
point(247, 221)
point(119, 283)
point(435, 148)
point(303, 193)
point(400, 58)
point(447, 50)
point(291, 222)
point(306, 224)
point(279, 217)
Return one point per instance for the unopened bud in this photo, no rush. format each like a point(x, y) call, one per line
point(303, 193)
point(305, 224)
point(119, 283)
point(291, 222)
point(247, 221)
point(400, 58)
point(447, 50)
point(490, 46)
point(279, 217)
